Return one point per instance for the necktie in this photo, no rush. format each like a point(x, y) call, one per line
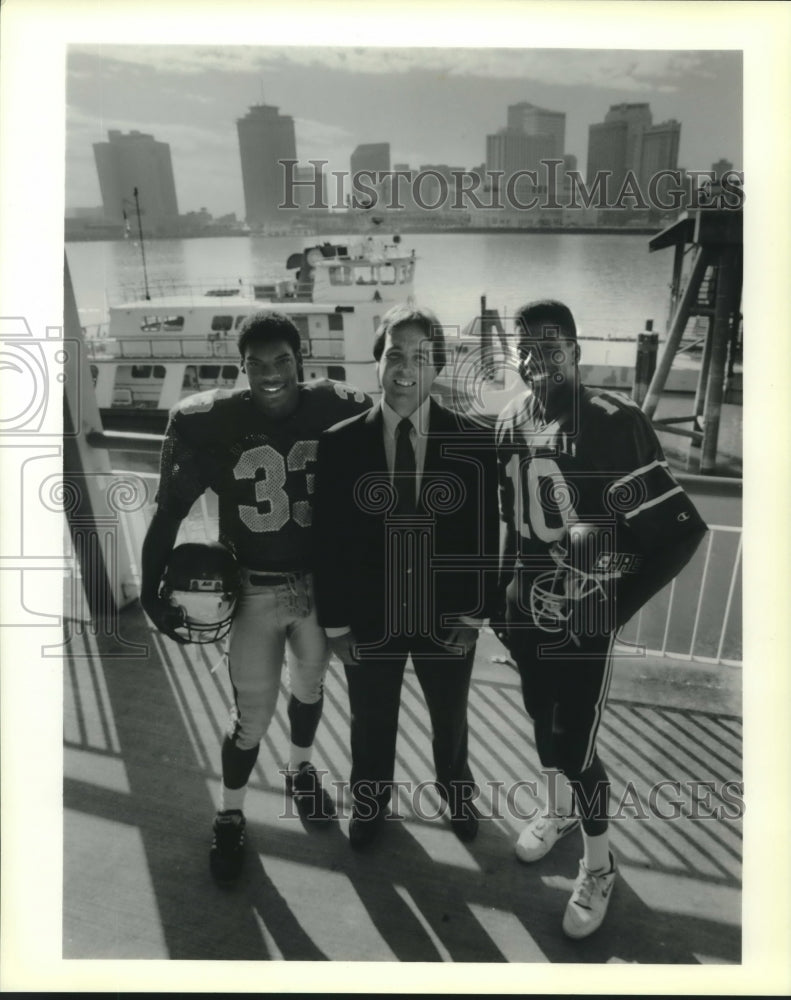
point(404, 478)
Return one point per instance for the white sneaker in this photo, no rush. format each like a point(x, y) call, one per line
point(541, 835)
point(589, 901)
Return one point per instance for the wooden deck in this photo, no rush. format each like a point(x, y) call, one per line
point(141, 783)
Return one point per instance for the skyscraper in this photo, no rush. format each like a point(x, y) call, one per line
point(265, 138)
point(511, 150)
point(628, 141)
point(532, 136)
point(371, 156)
point(607, 145)
point(136, 160)
point(527, 117)
point(659, 150)
point(637, 118)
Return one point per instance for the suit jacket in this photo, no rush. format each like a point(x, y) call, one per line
point(404, 579)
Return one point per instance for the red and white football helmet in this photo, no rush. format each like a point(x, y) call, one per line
point(203, 581)
point(586, 564)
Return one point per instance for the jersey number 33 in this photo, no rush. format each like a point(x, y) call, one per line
point(272, 489)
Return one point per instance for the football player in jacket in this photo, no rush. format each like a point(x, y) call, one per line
point(595, 524)
point(255, 448)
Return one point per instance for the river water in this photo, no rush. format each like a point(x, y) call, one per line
point(610, 281)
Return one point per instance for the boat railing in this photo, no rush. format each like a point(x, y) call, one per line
point(192, 291)
point(695, 619)
point(213, 345)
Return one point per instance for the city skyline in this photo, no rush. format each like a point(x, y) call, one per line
point(191, 97)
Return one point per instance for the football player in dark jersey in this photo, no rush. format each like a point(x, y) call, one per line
point(595, 525)
point(255, 448)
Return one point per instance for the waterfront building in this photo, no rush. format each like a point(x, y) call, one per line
point(659, 150)
point(136, 160)
point(628, 141)
point(371, 156)
point(265, 138)
point(722, 166)
point(532, 120)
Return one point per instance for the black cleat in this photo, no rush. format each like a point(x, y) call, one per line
point(226, 855)
point(313, 803)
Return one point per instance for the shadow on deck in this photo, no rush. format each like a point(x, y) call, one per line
point(142, 779)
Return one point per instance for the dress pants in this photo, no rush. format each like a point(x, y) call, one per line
point(375, 698)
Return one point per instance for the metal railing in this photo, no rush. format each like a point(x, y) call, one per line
point(696, 618)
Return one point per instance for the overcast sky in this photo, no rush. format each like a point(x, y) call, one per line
point(433, 105)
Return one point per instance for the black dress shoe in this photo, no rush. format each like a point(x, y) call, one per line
point(364, 829)
point(465, 822)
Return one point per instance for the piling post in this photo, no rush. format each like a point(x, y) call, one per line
point(645, 361)
point(728, 286)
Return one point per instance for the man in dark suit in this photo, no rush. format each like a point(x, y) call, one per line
point(405, 514)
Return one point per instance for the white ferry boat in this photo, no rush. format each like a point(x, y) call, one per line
point(180, 340)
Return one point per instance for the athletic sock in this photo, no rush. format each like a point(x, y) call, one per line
point(232, 798)
point(298, 756)
point(560, 798)
point(596, 855)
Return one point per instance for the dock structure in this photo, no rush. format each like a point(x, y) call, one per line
point(712, 292)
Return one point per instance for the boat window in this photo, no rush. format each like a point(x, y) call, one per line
point(141, 371)
point(301, 323)
point(340, 275)
point(221, 322)
point(387, 274)
point(150, 324)
point(208, 371)
point(239, 321)
point(190, 380)
point(230, 372)
point(336, 372)
point(336, 321)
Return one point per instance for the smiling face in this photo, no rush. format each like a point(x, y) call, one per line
point(271, 370)
point(549, 367)
point(406, 368)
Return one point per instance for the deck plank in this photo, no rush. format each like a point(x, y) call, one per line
point(141, 782)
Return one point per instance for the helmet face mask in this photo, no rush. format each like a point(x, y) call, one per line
point(203, 582)
point(581, 584)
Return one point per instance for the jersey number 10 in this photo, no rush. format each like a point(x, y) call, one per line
point(543, 500)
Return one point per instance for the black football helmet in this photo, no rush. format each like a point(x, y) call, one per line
point(586, 564)
point(203, 581)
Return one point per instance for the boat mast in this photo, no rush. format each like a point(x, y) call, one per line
point(142, 246)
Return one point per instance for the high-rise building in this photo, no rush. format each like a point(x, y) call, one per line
point(510, 150)
point(265, 138)
point(627, 140)
point(527, 117)
point(532, 136)
point(371, 156)
point(659, 150)
point(637, 118)
point(136, 161)
point(607, 146)
point(722, 166)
